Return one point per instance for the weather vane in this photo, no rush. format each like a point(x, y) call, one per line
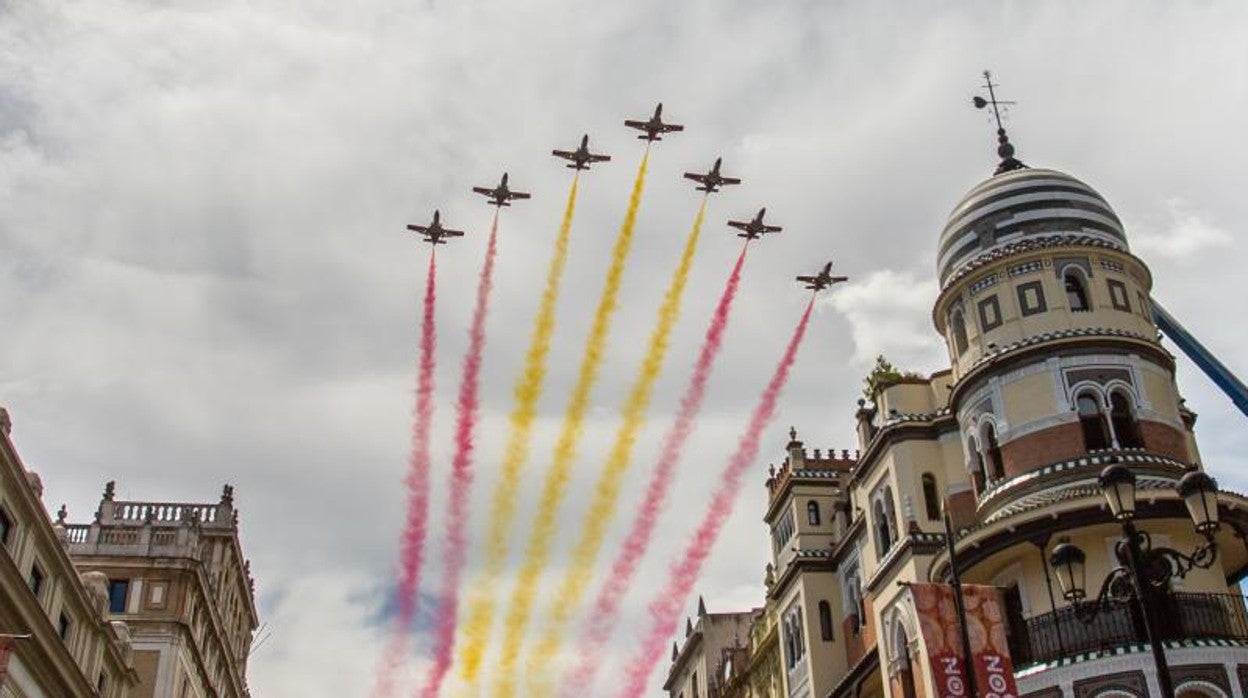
point(1004, 148)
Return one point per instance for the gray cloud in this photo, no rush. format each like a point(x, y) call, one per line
point(205, 275)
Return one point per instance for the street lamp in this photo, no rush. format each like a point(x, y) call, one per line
point(1144, 571)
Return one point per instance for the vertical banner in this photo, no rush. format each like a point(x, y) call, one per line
point(941, 631)
point(994, 668)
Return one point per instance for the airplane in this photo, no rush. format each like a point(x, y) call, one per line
point(822, 280)
point(500, 195)
point(581, 158)
point(434, 232)
point(711, 181)
point(754, 229)
point(654, 126)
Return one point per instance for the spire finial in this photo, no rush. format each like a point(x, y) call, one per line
point(1004, 148)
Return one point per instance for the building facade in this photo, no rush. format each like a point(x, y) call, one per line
point(64, 642)
point(1056, 372)
point(178, 578)
point(149, 600)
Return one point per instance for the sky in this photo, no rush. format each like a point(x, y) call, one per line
point(205, 277)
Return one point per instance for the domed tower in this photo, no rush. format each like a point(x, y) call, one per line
point(1057, 374)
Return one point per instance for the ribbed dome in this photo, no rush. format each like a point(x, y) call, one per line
point(1019, 205)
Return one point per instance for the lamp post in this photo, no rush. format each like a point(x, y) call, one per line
point(1144, 571)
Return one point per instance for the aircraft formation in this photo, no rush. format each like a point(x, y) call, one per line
point(582, 158)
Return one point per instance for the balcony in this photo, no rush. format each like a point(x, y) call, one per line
point(1185, 617)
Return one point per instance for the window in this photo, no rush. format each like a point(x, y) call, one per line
point(825, 621)
point(812, 513)
point(1031, 298)
point(883, 536)
point(6, 526)
point(1126, 427)
point(36, 580)
point(1118, 295)
point(1142, 301)
point(905, 669)
point(62, 627)
point(783, 531)
point(1076, 292)
point(989, 314)
point(1091, 418)
point(117, 591)
point(931, 499)
point(992, 454)
point(977, 466)
point(794, 642)
point(959, 332)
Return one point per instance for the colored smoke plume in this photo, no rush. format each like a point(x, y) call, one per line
point(607, 490)
point(555, 486)
point(683, 574)
point(412, 542)
point(607, 604)
point(528, 390)
point(453, 553)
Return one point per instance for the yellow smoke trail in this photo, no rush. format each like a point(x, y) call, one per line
point(528, 389)
point(607, 491)
point(565, 449)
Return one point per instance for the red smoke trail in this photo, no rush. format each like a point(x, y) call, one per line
point(412, 543)
point(461, 479)
point(607, 605)
point(665, 609)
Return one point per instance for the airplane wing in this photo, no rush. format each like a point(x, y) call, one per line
point(729, 180)
point(418, 228)
point(452, 233)
point(599, 158)
point(519, 195)
point(562, 154)
point(772, 228)
point(635, 124)
point(671, 128)
point(806, 279)
point(696, 177)
point(739, 225)
point(483, 190)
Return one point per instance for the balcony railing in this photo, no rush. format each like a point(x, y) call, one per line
point(1184, 616)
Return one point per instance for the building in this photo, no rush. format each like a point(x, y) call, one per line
point(178, 578)
point(149, 600)
point(1056, 372)
point(68, 644)
point(697, 665)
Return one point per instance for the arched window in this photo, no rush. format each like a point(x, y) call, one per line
point(992, 454)
point(905, 670)
point(958, 323)
point(1076, 292)
point(1126, 427)
point(931, 499)
point(825, 621)
point(812, 513)
point(977, 466)
point(883, 536)
point(890, 511)
point(1092, 419)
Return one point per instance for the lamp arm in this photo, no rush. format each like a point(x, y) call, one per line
point(1116, 587)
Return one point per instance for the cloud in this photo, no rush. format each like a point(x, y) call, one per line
point(204, 275)
point(889, 313)
point(1187, 234)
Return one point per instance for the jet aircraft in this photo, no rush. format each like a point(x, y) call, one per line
point(822, 280)
point(713, 180)
point(500, 195)
point(755, 228)
point(434, 232)
point(581, 158)
point(654, 126)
